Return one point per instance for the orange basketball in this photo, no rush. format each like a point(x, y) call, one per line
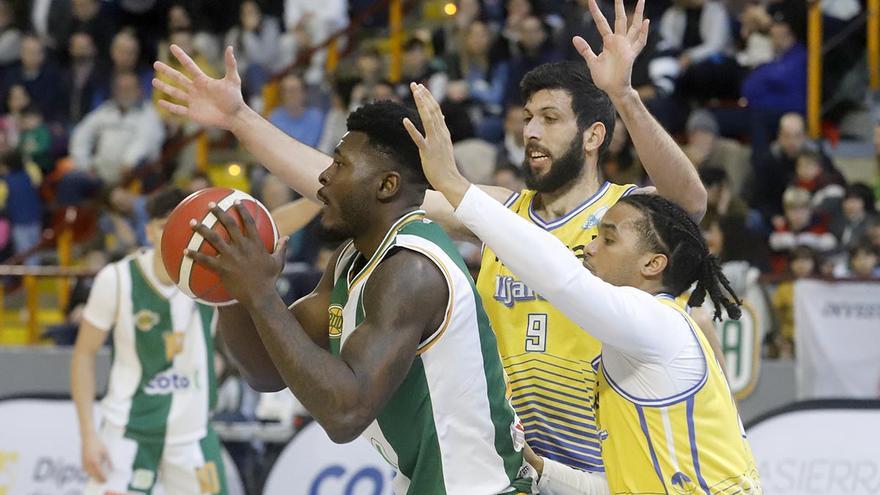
point(195, 280)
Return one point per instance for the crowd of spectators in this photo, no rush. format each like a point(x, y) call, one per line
point(80, 122)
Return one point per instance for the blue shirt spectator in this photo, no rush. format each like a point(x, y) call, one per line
point(780, 85)
point(305, 124)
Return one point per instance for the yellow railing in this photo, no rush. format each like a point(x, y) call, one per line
point(814, 69)
point(874, 43)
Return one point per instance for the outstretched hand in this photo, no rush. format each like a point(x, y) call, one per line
point(435, 147)
point(612, 69)
point(202, 99)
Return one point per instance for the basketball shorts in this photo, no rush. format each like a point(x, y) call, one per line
point(147, 468)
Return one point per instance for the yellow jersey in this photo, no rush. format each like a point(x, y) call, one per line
point(547, 357)
point(691, 443)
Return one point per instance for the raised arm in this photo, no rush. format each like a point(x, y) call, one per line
point(219, 103)
point(670, 169)
point(344, 393)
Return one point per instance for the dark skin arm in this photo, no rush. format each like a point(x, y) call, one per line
point(344, 393)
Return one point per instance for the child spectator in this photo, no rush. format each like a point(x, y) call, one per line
point(810, 175)
point(864, 261)
point(36, 139)
point(17, 99)
point(23, 205)
point(856, 214)
point(800, 226)
point(802, 265)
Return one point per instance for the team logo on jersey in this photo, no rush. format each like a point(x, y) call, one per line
point(167, 383)
point(682, 484)
point(209, 481)
point(594, 219)
point(142, 479)
point(509, 291)
point(145, 320)
point(173, 344)
point(741, 344)
point(335, 313)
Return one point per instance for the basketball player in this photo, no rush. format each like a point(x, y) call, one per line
point(569, 121)
point(667, 420)
point(154, 427)
point(393, 344)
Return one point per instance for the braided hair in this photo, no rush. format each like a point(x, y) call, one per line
point(666, 228)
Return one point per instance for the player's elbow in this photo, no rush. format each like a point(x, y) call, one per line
point(346, 426)
point(696, 202)
point(263, 383)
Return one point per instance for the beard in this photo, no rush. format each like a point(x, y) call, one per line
point(562, 171)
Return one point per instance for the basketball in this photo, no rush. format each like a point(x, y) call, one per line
point(195, 280)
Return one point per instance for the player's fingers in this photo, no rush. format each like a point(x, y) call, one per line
point(247, 220)
point(228, 223)
point(584, 49)
point(188, 63)
point(638, 15)
point(423, 102)
point(174, 75)
point(643, 35)
point(600, 20)
point(280, 253)
point(209, 235)
point(172, 91)
point(174, 108)
point(231, 66)
point(619, 17)
point(438, 120)
point(209, 262)
point(414, 133)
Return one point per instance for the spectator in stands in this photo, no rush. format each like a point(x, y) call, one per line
point(479, 79)
point(757, 49)
point(809, 174)
point(535, 48)
point(85, 76)
point(125, 53)
point(24, 208)
point(856, 214)
point(517, 11)
point(40, 77)
point(800, 226)
point(113, 140)
point(802, 265)
point(722, 201)
point(298, 120)
point(369, 68)
point(123, 221)
point(697, 33)
point(256, 39)
point(335, 120)
point(383, 90)
point(92, 16)
point(777, 87)
point(706, 148)
point(419, 67)
point(864, 261)
point(10, 36)
point(310, 23)
point(512, 150)
point(775, 169)
point(509, 177)
point(621, 164)
point(579, 22)
point(36, 139)
point(877, 153)
point(17, 99)
point(180, 18)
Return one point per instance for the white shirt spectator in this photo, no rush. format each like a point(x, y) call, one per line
point(714, 30)
point(109, 139)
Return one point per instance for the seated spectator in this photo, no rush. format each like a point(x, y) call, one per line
point(512, 150)
point(777, 87)
point(294, 116)
point(24, 208)
point(36, 140)
point(802, 265)
point(40, 77)
point(110, 142)
point(579, 22)
point(757, 49)
point(621, 164)
point(310, 23)
point(810, 175)
point(697, 33)
point(369, 72)
point(419, 67)
point(17, 99)
point(125, 220)
point(706, 148)
point(10, 36)
point(255, 39)
point(180, 18)
point(92, 16)
point(335, 120)
point(125, 53)
point(721, 201)
point(800, 226)
point(479, 79)
point(535, 48)
point(86, 76)
point(864, 261)
point(856, 214)
point(775, 169)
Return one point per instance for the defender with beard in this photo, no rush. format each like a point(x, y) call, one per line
point(570, 113)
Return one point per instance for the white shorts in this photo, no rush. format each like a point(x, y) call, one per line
point(147, 468)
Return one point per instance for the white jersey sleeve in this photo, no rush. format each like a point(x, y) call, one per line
point(559, 479)
point(100, 309)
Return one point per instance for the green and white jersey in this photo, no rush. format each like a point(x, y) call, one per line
point(162, 385)
point(448, 429)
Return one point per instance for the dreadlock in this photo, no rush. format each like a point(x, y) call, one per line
point(666, 228)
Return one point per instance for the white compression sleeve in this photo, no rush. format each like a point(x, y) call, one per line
point(559, 479)
point(617, 316)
